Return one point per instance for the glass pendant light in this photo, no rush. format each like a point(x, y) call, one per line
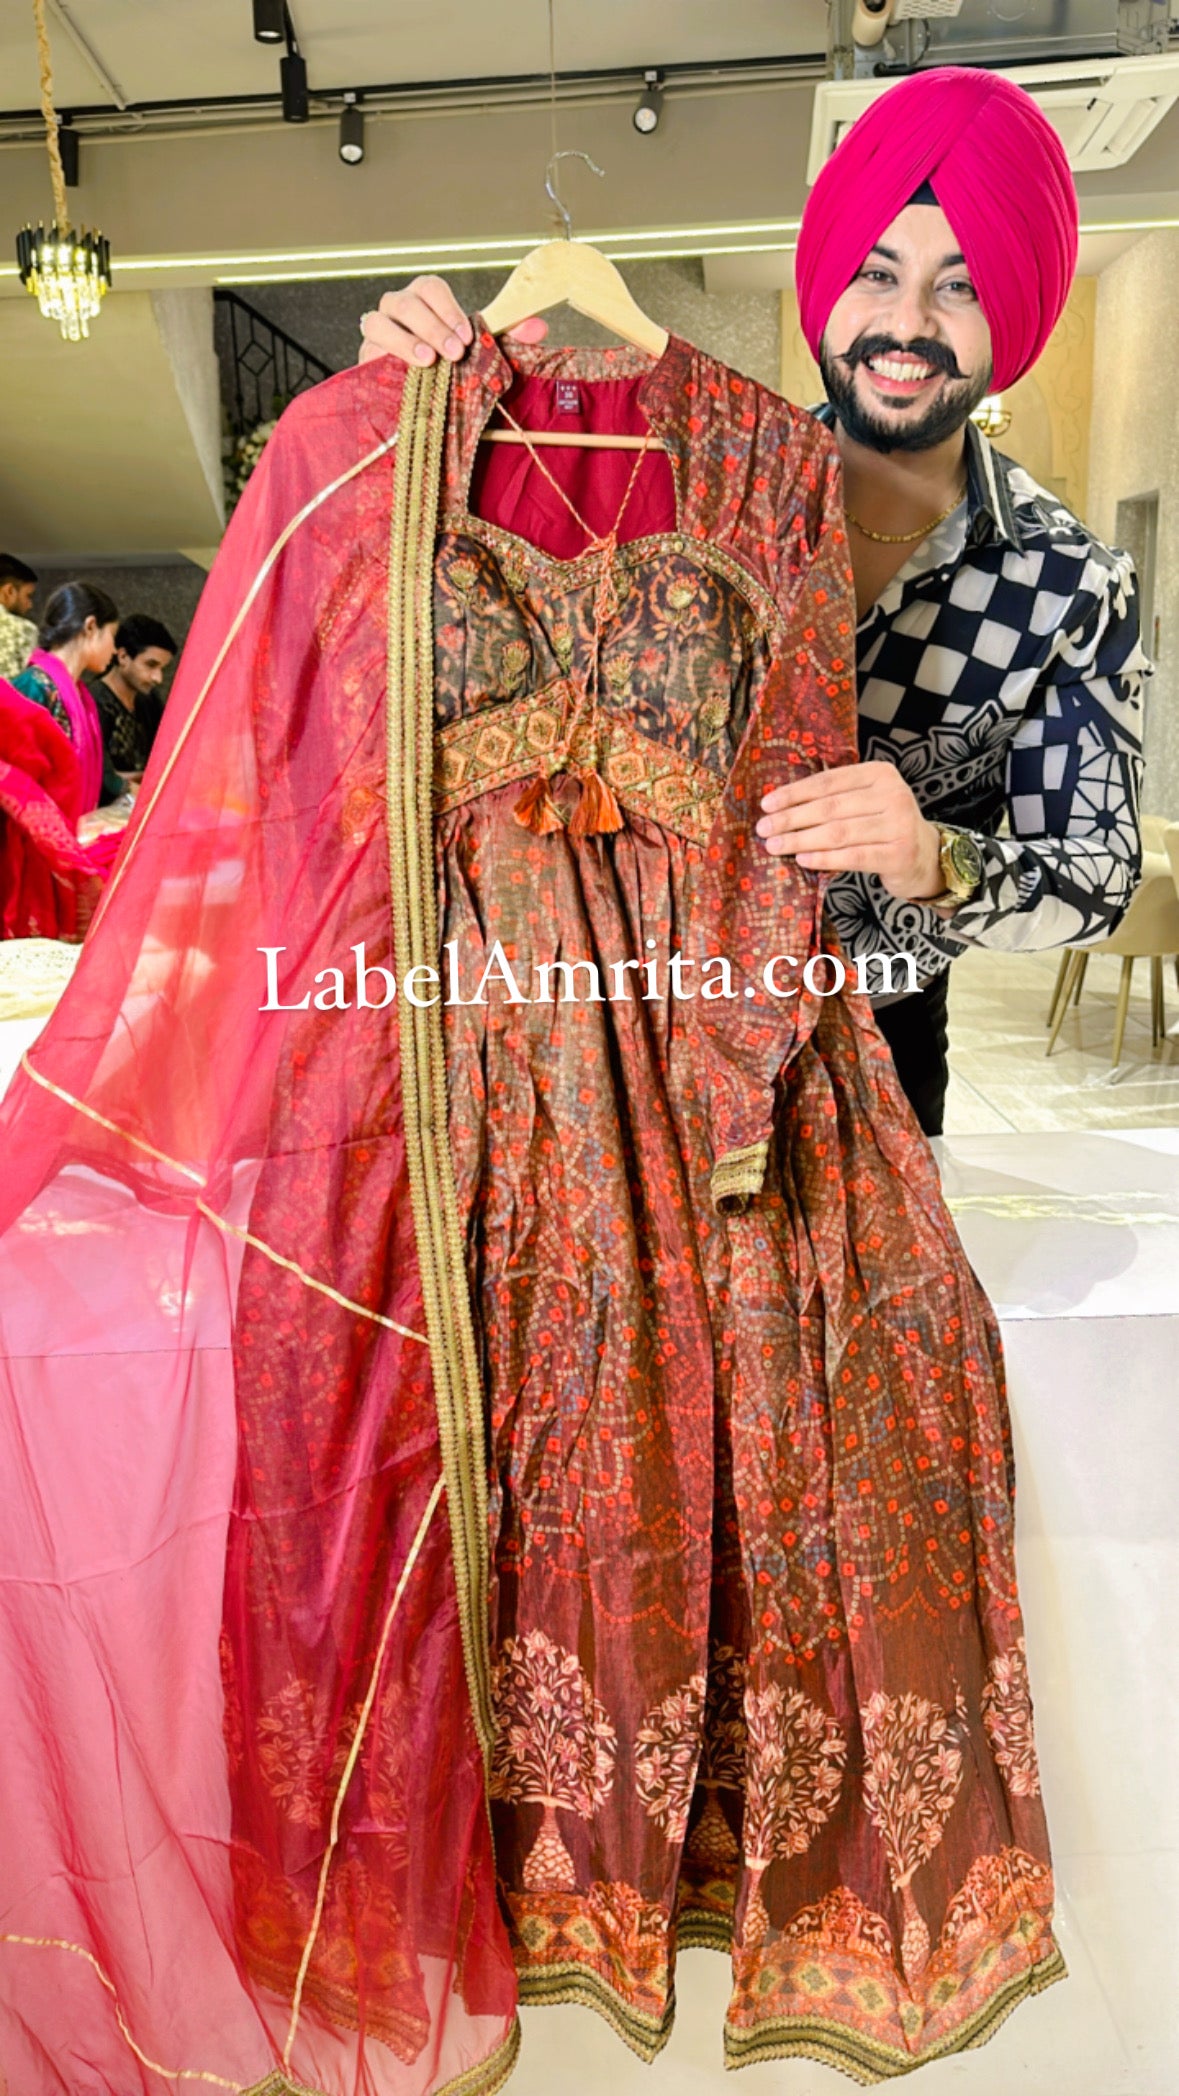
point(67, 272)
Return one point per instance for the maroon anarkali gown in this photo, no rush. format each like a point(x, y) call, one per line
point(610, 1490)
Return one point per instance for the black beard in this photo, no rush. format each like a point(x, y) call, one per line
point(948, 414)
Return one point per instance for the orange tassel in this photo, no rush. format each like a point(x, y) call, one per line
point(536, 810)
point(597, 813)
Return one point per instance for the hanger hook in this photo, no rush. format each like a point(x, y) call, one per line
point(550, 183)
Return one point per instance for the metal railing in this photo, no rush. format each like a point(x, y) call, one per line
point(262, 366)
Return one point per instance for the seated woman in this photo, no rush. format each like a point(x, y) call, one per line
point(77, 635)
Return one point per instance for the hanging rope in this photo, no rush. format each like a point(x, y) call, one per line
point(56, 170)
point(553, 86)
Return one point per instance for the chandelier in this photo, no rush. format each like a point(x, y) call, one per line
point(67, 272)
point(992, 417)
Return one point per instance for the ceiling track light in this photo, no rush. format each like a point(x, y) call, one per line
point(269, 22)
point(296, 108)
point(352, 130)
point(292, 70)
point(649, 107)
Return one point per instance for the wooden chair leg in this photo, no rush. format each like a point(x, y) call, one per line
point(1084, 960)
point(1123, 1007)
point(1074, 964)
point(1066, 961)
point(1158, 1012)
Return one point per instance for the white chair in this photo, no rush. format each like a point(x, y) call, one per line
point(1148, 931)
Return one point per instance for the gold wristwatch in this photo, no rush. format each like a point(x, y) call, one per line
point(962, 869)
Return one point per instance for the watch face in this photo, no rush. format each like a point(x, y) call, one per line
point(965, 859)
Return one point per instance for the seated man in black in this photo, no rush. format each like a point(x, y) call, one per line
point(128, 701)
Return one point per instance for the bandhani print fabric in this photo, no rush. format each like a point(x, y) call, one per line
point(540, 1497)
point(44, 871)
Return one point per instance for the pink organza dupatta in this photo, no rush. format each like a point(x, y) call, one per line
point(244, 1839)
point(85, 727)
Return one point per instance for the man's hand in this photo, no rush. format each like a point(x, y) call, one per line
point(424, 322)
point(861, 818)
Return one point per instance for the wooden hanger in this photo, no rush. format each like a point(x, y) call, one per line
point(571, 273)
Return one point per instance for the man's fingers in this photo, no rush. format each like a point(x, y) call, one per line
point(834, 836)
point(818, 785)
point(431, 331)
point(805, 815)
point(851, 860)
point(382, 337)
point(436, 296)
point(424, 322)
point(417, 325)
point(533, 330)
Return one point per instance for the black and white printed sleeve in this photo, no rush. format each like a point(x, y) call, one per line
point(1065, 873)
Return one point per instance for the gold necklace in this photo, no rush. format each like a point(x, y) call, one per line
point(902, 538)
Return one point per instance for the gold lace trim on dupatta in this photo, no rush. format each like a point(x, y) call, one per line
point(410, 823)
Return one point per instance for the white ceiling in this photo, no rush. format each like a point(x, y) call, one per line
point(156, 50)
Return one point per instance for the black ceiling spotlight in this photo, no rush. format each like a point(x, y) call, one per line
point(352, 130)
point(67, 144)
point(295, 106)
point(269, 25)
point(649, 107)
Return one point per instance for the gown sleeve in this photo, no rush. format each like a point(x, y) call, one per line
point(755, 906)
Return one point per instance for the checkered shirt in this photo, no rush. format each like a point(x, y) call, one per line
point(1001, 671)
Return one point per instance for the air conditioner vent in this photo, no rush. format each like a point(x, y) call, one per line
point(1103, 108)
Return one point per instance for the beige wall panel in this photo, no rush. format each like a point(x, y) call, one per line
point(98, 454)
point(1051, 408)
point(184, 319)
point(800, 380)
point(1134, 452)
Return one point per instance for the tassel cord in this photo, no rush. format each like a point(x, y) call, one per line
point(598, 812)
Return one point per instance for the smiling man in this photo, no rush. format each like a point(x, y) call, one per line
point(1000, 671)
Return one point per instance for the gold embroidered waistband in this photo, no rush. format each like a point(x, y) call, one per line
point(539, 732)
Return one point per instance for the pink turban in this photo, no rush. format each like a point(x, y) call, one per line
point(1000, 174)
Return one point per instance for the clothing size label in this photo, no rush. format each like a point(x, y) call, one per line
point(568, 397)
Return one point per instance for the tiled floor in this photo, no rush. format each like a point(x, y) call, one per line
point(1003, 1083)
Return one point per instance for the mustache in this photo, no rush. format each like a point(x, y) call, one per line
point(938, 354)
